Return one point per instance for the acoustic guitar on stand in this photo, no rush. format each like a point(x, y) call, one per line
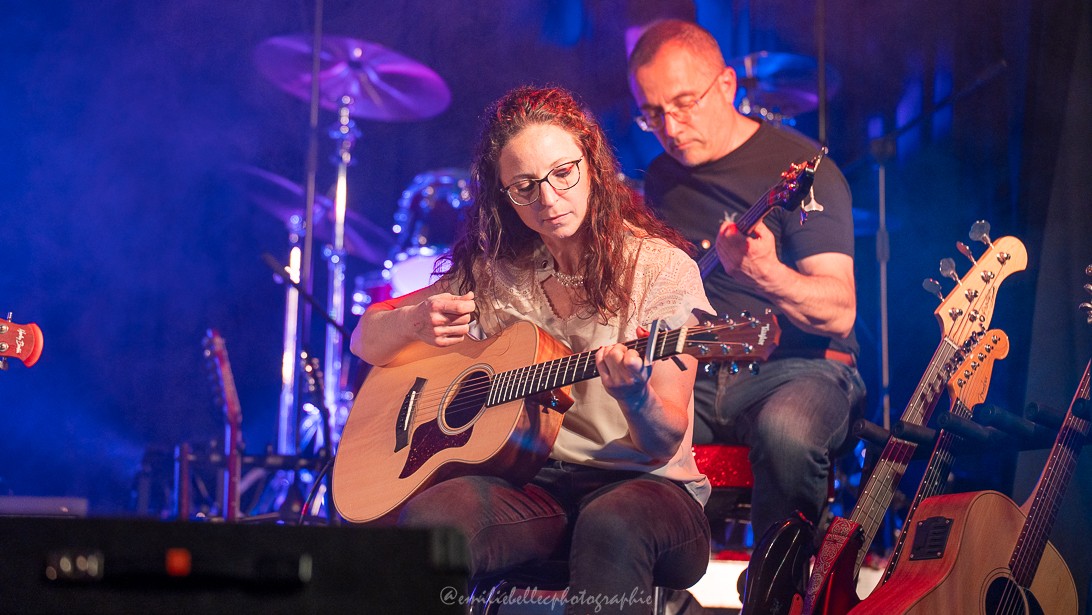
point(23, 342)
point(981, 553)
point(491, 407)
point(963, 313)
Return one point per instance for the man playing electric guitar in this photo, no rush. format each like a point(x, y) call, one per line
point(716, 164)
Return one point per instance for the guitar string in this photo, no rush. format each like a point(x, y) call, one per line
point(519, 382)
point(523, 378)
point(1025, 559)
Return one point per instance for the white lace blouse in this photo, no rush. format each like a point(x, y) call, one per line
point(666, 285)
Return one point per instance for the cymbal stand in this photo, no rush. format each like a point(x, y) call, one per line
point(345, 134)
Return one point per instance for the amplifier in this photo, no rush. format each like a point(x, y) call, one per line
point(53, 565)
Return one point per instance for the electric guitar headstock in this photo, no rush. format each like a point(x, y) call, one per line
point(1086, 306)
point(970, 380)
point(969, 307)
point(24, 342)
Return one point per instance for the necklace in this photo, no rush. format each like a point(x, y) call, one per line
point(568, 281)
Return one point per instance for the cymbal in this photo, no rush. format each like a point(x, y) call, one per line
point(283, 199)
point(382, 84)
point(783, 85)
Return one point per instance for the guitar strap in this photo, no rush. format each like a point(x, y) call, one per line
point(841, 534)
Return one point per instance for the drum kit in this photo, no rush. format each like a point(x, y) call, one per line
point(356, 80)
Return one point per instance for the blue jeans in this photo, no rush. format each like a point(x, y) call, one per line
point(792, 415)
point(618, 530)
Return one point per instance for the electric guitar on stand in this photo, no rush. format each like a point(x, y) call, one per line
point(228, 397)
point(491, 407)
point(984, 554)
point(24, 342)
point(965, 312)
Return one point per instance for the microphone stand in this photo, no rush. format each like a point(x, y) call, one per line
point(881, 150)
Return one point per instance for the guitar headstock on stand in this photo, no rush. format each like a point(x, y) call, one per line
point(1086, 306)
point(24, 342)
point(969, 307)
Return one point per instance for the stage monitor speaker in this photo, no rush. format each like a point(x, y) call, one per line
point(53, 565)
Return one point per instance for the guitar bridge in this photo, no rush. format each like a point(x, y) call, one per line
point(930, 538)
point(405, 414)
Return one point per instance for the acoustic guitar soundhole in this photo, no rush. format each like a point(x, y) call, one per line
point(1006, 597)
point(470, 396)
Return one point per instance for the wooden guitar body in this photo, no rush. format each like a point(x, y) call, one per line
point(971, 573)
point(386, 456)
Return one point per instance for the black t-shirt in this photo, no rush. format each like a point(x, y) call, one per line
point(696, 200)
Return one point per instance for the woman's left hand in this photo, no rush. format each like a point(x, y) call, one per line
point(624, 374)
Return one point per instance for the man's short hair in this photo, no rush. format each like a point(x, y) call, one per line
point(693, 37)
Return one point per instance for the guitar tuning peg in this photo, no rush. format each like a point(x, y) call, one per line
point(745, 315)
point(753, 368)
point(733, 368)
point(1087, 271)
point(980, 231)
point(932, 287)
point(1087, 307)
point(965, 251)
point(947, 269)
point(710, 368)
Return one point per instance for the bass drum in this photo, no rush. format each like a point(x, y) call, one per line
point(428, 217)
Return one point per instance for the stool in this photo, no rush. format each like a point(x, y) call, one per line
point(488, 594)
point(729, 472)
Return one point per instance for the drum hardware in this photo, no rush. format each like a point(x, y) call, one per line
point(779, 86)
point(428, 216)
point(357, 79)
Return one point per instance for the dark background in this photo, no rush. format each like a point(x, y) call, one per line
point(128, 228)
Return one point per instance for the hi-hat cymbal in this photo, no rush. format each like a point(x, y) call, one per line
point(283, 199)
point(382, 84)
point(781, 85)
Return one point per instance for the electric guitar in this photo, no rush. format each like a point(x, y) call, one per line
point(491, 407)
point(24, 342)
point(980, 553)
point(228, 397)
point(964, 312)
point(788, 193)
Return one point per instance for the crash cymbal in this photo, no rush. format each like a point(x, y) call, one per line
point(283, 199)
point(779, 85)
point(382, 84)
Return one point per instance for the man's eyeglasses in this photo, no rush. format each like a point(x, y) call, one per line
point(562, 177)
point(653, 119)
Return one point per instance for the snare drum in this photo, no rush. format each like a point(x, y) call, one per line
point(428, 216)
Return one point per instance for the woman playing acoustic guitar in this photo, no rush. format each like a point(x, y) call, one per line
point(555, 238)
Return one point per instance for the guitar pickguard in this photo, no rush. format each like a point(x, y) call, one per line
point(427, 441)
point(460, 408)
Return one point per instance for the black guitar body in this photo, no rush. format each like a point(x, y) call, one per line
point(778, 571)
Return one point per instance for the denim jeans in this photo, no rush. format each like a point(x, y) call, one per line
point(792, 415)
point(621, 532)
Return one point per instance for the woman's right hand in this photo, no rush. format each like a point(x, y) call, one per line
point(443, 319)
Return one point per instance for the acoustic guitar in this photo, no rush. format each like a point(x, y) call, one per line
point(491, 407)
